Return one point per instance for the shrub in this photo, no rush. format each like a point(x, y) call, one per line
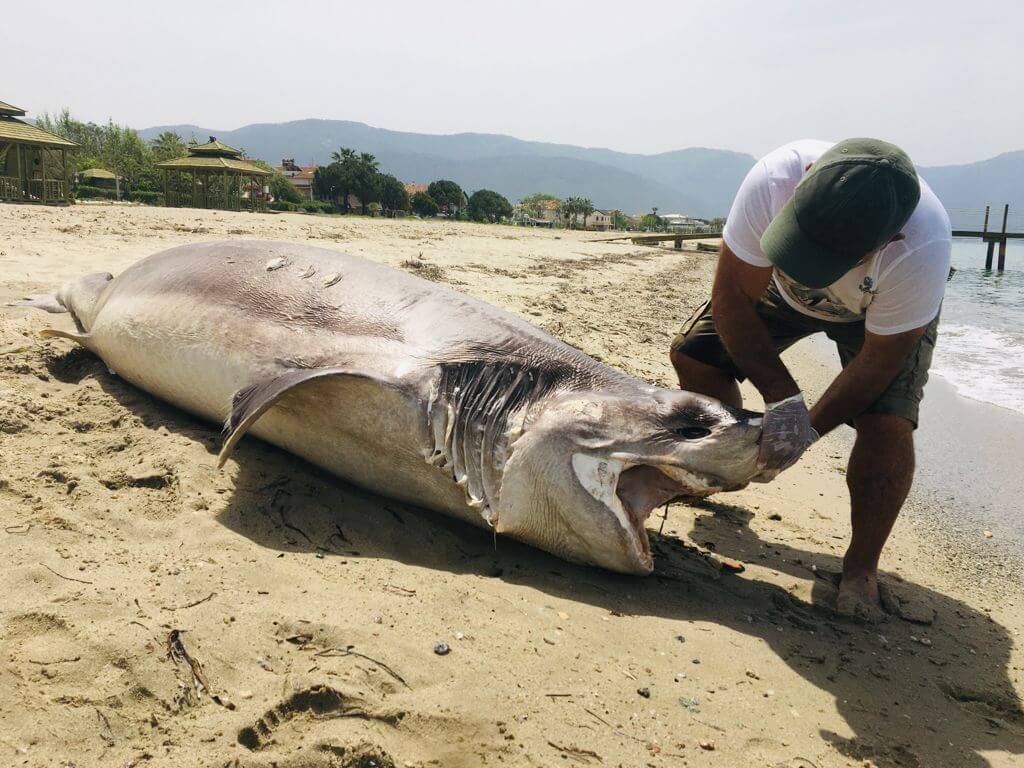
point(317, 206)
point(281, 205)
point(88, 191)
point(147, 197)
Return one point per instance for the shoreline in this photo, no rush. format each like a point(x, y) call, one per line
point(967, 460)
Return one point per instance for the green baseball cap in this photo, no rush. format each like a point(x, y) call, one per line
point(852, 201)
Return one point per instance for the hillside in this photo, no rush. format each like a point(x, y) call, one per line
point(696, 181)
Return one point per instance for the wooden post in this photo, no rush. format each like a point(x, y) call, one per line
point(985, 227)
point(42, 174)
point(167, 197)
point(194, 188)
point(21, 171)
point(1002, 243)
point(67, 183)
point(988, 254)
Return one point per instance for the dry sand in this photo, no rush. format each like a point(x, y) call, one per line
point(156, 611)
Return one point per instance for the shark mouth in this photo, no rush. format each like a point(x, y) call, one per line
point(632, 490)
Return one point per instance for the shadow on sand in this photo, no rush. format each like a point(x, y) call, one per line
point(907, 704)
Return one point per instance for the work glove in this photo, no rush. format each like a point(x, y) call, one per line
point(785, 434)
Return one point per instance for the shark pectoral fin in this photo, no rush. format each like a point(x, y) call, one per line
point(81, 338)
point(48, 302)
point(250, 403)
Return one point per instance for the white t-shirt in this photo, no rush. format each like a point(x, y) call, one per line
point(898, 290)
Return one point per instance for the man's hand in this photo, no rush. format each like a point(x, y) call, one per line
point(785, 435)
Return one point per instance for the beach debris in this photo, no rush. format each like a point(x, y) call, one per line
point(200, 685)
point(752, 674)
point(563, 615)
point(307, 272)
point(645, 692)
point(442, 649)
point(680, 676)
point(577, 754)
point(775, 516)
point(680, 638)
point(331, 279)
point(275, 264)
point(188, 605)
point(61, 575)
point(690, 704)
point(349, 650)
point(707, 744)
point(987, 534)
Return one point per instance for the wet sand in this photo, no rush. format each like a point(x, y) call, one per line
point(310, 609)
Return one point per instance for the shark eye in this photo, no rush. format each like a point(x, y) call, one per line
point(692, 433)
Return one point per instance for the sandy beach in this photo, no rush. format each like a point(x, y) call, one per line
point(157, 611)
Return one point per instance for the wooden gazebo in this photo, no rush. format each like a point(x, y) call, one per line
point(220, 178)
point(33, 162)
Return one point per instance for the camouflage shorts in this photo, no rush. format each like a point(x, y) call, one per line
point(699, 339)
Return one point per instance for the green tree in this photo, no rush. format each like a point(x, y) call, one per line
point(343, 154)
point(352, 173)
point(488, 205)
point(167, 146)
point(585, 208)
point(569, 211)
point(366, 180)
point(448, 195)
point(534, 204)
point(393, 195)
point(651, 221)
point(423, 204)
point(331, 183)
point(620, 220)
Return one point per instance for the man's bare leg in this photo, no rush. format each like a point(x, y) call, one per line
point(705, 379)
point(879, 476)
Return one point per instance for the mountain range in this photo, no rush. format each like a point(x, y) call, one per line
point(695, 181)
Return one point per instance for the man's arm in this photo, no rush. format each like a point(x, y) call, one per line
point(737, 289)
point(864, 379)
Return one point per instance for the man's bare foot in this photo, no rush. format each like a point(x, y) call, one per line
point(858, 599)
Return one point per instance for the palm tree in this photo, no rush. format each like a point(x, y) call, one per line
point(343, 154)
point(369, 161)
point(567, 210)
point(586, 208)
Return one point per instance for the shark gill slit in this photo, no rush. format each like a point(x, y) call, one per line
point(470, 411)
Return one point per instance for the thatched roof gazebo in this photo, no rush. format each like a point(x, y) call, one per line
point(33, 162)
point(220, 178)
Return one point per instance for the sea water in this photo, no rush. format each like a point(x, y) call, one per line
point(980, 350)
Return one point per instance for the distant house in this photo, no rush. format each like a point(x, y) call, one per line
point(549, 212)
point(545, 214)
point(412, 189)
point(681, 222)
point(601, 221)
point(300, 176)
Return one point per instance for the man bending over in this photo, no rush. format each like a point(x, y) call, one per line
point(842, 239)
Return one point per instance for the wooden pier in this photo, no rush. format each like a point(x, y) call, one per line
point(677, 238)
point(992, 237)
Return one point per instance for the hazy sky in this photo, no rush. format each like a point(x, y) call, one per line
point(943, 79)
